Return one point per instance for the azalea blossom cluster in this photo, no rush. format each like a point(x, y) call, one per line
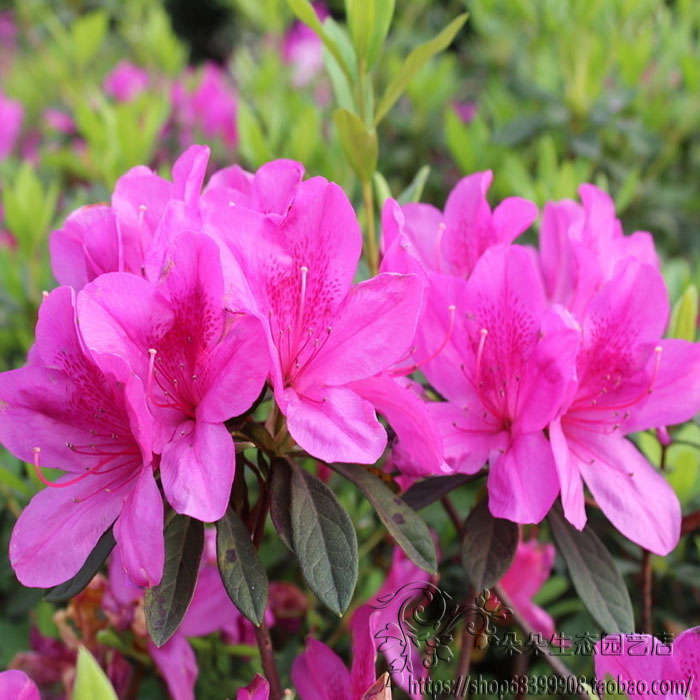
point(179, 304)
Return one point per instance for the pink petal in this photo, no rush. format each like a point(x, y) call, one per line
point(570, 481)
point(675, 395)
point(178, 665)
point(523, 482)
point(112, 323)
point(16, 685)
point(513, 216)
point(364, 652)
point(319, 674)
point(686, 653)
point(60, 527)
point(420, 442)
point(197, 468)
point(240, 364)
point(259, 689)
point(275, 185)
point(211, 609)
point(373, 329)
point(422, 227)
point(336, 425)
point(139, 531)
point(621, 479)
point(188, 174)
point(467, 440)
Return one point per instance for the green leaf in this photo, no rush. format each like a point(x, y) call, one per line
point(324, 540)
point(166, 604)
point(91, 682)
point(65, 591)
point(242, 572)
point(414, 62)
point(684, 319)
point(594, 575)
point(87, 34)
point(281, 500)
point(414, 191)
point(404, 525)
point(488, 546)
point(427, 491)
point(381, 188)
point(369, 22)
point(359, 143)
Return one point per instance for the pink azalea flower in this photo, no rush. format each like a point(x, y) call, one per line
point(60, 121)
point(529, 571)
point(303, 50)
point(654, 673)
point(628, 379)
point(323, 332)
point(11, 117)
point(87, 415)
point(211, 108)
point(581, 245)
point(201, 359)
point(18, 686)
point(505, 372)
point(452, 242)
point(259, 689)
point(125, 82)
point(131, 235)
point(318, 673)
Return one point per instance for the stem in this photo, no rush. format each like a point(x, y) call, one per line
point(647, 581)
point(372, 253)
point(467, 648)
point(555, 664)
point(452, 513)
point(267, 656)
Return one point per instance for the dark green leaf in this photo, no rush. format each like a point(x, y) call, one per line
point(166, 604)
point(423, 493)
point(488, 546)
point(65, 591)
point(324, 541)
point(405, 526)
point(281, 500)
point(594, 575)
point(242, 572)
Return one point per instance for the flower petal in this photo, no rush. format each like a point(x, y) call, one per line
point(197, 468)
point(177, 664)
point(319, 674)
point(621, 480)
point(139, 532)
point(523, 482)
point(570, 482)
point(336, 425)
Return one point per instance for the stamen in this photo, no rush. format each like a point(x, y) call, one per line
point(403, 371)
point(151, 365)
point(648, 390)
point(300, 316)
point(479, 355)
point(44, 295)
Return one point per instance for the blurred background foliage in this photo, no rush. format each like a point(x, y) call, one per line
point(546, 93)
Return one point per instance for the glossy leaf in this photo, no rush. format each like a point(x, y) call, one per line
point(281, 500)
point(324, 540)
point(166, 604)
point(488, 546)
point(405, 526)
point(242, 572)
point(423, 493)
point(594, 575)
point(369, 22)
point(684, 320)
